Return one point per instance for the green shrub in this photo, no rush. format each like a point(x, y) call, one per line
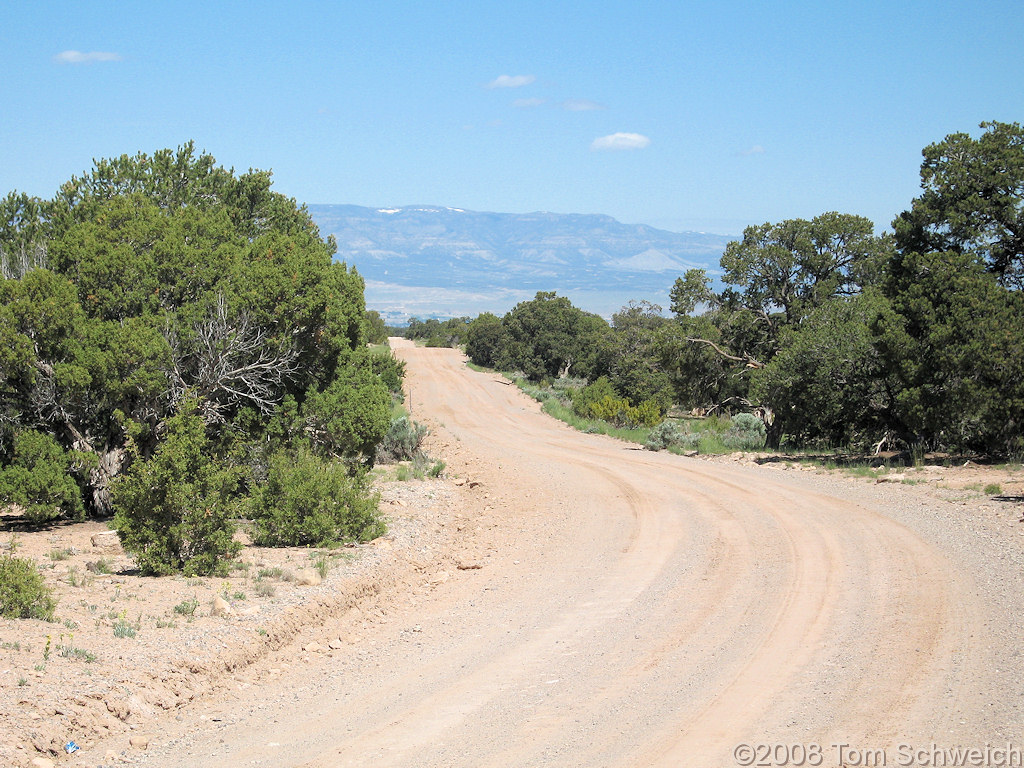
point(187, 607)
point(747, 432)
point(124, 628)
point(538, 394)
point(647, 414)
point(351, 416)
point(664, 435)
point(402, 442)
point(376, 327)
point(670, 434)
point(67, 651)
point(390, 369)
point(584, 399)
point(748, 422)
point(39, 478)
point(661, 436)
point(612, 409)
point(600, 400)
point(548, 338)
point(485, 338)
point(174, 512)
point(322, 565)
point(618, 411)
point(23, 593)
point(993, 489)
point(310, 501)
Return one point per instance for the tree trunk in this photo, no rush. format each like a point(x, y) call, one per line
point(109, 463)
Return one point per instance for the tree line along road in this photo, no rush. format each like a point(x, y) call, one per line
point(644, 609)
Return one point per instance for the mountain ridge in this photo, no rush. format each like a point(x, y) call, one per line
point(439, 261)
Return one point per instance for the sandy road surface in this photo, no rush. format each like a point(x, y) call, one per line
point(642, 609)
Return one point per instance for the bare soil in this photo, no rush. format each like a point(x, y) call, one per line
point(555, 599)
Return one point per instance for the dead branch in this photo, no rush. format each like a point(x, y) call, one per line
point(229, 361)
point(877, 447)
point(747, 360)
point(17, 262)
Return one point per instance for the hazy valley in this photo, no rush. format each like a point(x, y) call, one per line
point(434, 261)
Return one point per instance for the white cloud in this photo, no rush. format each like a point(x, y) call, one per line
point(511, 81)
point(527, 103)
point(757, 149)
point(581, 105)
point(77, 57)
point(621, 141)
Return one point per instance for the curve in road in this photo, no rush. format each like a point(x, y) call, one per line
point(643, 609)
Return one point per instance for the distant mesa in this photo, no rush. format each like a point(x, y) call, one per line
point(651, 260)
point(436, 261)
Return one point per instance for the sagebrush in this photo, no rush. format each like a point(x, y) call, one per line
point(403, 441)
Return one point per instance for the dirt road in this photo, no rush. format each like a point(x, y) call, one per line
point(643, 609)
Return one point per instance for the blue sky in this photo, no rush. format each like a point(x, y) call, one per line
point(683, 115)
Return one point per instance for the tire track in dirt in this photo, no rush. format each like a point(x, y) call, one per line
point(912, 617)
point(642, 609)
